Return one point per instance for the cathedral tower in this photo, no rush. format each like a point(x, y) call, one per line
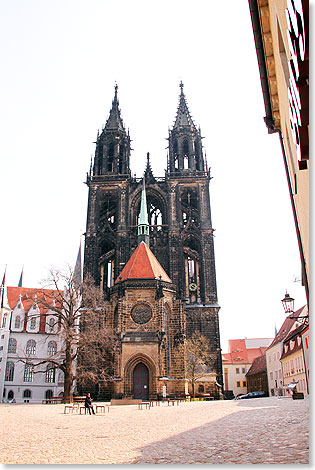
point(175, 224)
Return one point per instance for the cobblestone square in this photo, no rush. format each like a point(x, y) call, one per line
point(258, 431)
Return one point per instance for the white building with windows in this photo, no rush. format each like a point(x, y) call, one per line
point(274, 352)
point(237, 362)
point(28, 335)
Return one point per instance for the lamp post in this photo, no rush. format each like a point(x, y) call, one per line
point(288, 304)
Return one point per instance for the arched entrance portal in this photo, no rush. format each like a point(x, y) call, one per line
point(141, 382)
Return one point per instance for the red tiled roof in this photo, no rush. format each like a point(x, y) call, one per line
point(286, 328)
point(28, 296)
point(143, 265)
point(240, 354)
point(28, 299)
point(255, 352)
point(259, 365)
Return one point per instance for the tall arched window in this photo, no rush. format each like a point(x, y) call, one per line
point(175, 148)
point(197, 156)
point(52, 348)
point(12, 345)
point(28, 373)
point(9, 371)
point(166, 319)
point(185, 148)
point(50, 373)
point(31, 347)
point(186, 154)
point(110, 156)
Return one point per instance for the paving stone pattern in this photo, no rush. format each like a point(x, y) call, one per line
point(257, 431)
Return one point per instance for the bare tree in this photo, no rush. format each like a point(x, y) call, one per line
point(200, 360)
point(77, 312)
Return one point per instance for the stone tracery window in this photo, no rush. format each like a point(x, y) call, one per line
point(189, 207)
point(108, 210)
point(192, 259)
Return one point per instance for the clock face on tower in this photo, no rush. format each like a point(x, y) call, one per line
point(141, 313)
point(193, 287)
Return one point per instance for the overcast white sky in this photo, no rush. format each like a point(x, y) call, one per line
point(60, 60)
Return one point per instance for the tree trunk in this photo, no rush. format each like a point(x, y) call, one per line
point(68, 380)
point(193, 388)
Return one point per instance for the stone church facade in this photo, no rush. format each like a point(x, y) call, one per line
point(178, 238)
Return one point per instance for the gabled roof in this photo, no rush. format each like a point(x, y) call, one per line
point(27, 296)
point(143, 265)
point(259, 365)
point(286, 327)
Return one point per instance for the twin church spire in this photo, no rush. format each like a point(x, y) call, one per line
point(112, 154)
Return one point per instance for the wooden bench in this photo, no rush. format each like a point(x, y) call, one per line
point(147, 404)
point(55, 400)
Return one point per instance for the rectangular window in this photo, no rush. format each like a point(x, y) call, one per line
point(238, 384)
point(225, 371)
point(243, 370)
point(244, 383)
point(237, 370)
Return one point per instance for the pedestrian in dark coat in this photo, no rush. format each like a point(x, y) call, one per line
point(88, 403)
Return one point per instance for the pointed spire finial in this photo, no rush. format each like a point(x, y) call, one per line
point(116, 90)
point(143, 225)
point(181, 87)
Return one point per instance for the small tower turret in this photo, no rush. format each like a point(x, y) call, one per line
point(185, 141)
point(112, 152)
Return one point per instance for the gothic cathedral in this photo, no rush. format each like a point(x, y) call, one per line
point(149, 246)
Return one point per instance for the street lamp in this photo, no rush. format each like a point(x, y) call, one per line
point(288, 304)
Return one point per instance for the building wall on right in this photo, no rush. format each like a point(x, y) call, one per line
point(281, 34)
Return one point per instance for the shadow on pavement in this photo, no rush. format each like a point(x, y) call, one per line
point(258, 433)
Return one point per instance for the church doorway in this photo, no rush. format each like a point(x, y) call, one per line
point(141, 382)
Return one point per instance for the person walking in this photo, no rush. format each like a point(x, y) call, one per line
point(88, 404)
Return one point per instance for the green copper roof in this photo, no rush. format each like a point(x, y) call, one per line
point(143, 209)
